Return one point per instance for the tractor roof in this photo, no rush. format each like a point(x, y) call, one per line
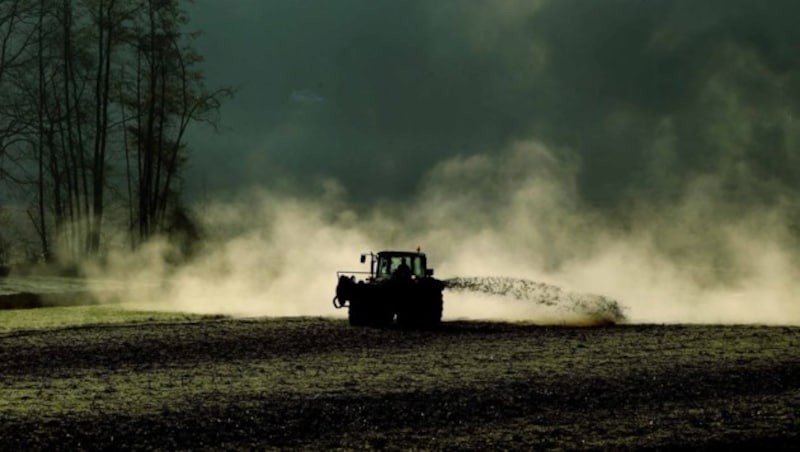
point(400, 253)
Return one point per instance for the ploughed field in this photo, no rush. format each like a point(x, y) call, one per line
point(315, 383)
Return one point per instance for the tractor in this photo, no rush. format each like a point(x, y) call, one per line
point(399, 287)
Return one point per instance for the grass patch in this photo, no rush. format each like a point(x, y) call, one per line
point(59, 317)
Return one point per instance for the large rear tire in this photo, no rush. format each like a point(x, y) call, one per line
point(408, 316)
point(421, 314)
point(382, 315)
point(432, 317)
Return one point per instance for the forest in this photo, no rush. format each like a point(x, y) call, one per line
point(96, 97)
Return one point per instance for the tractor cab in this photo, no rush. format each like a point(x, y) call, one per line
point(386, 264)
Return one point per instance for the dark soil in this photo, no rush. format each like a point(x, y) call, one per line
point(318, 384)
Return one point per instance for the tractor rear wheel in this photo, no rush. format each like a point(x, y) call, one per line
point(424, 315)
point(407, 317)
point(432, 312)
point(382, 315)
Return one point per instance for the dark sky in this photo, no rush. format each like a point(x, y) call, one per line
point(645, 95)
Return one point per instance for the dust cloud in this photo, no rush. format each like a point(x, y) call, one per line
point(699, 259)
point(512, 220)
point(262, 256)
point(644, 154)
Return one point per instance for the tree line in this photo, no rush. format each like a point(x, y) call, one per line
point(96, 97)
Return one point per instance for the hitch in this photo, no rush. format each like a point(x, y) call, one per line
point(339, 304)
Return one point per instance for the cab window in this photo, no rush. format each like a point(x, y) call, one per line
point(388, 265)
point(416, 267)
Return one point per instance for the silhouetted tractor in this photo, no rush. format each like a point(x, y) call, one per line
point(399, 285)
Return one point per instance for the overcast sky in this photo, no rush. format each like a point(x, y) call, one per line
point(643, 95)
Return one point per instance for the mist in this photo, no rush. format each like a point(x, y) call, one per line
point(512, 214)
point(642, 151)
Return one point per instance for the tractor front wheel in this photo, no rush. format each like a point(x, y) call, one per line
point(358, 313)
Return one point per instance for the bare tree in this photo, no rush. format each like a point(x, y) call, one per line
point(17, 35)
point(170, 94)
point(97, 98)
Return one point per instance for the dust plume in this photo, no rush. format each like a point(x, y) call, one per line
point(512, 220)
point(262, 256)
point(645, 152)
point(701, 258)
